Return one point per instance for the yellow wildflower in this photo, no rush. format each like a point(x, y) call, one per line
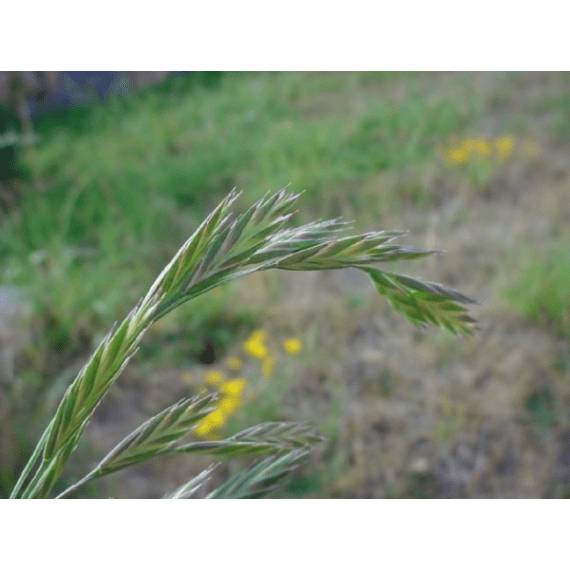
point(255, 344)
point(504, 146)
point(477, 148)
point(228, 405)
point(231, 400)
point(207, 430)
point(211, 423)
point(216, 418)
point(482, 147)
point(231, 395)
point(234, 387)
point(259, 334)
point(292, 345)
point(458, 155)
point(203, 428)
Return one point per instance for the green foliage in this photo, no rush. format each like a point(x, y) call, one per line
point(542, 293)
point(251, 130)
point(227, 245)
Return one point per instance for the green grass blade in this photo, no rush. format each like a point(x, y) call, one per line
point(261, 479)
point(269, 437)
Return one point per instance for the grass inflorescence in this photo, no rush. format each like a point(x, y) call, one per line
point(228, 245)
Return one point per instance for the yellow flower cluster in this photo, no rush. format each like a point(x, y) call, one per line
point(232, 389)
point(292, 345)
point(477, 149)
point(255, 344)
point(256, 347)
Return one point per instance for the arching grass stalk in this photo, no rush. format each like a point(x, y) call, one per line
point(228, 245)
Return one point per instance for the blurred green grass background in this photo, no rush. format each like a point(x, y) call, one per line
point(113, 189)
point(122, 183)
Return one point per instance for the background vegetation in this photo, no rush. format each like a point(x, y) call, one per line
point(474, 164)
